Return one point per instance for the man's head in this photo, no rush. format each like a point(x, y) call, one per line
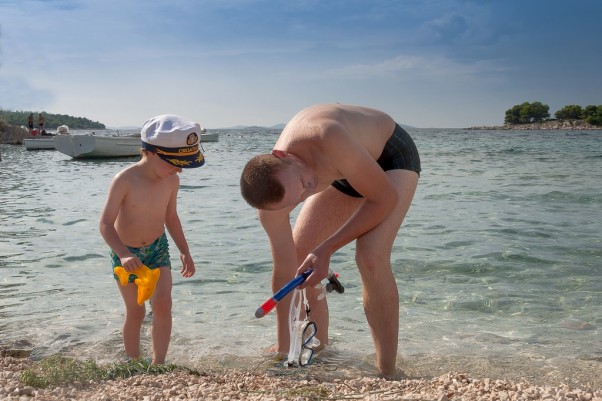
point(258, 183)
point(277, 181)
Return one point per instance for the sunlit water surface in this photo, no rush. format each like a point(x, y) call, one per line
point(498, 263)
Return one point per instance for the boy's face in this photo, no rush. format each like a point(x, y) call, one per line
point(162, 167)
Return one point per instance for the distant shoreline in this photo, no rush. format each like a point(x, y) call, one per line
point(545, 125)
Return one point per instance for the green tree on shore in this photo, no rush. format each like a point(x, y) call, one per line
point(591, 113)
point(536, 112)
point(527, 113)
point(52, 120)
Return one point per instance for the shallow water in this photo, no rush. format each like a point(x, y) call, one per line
point(500, 255)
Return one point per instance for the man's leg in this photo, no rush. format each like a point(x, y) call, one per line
point(373, 257)
point(321, 215)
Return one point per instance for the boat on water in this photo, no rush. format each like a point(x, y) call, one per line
point(44, 141)
point(209, 137)
point(98, 146)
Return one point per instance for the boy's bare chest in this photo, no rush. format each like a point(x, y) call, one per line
point(150, 200)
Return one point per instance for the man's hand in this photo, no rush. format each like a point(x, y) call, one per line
point(319, 262)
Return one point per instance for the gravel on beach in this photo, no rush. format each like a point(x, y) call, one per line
point(239, 385)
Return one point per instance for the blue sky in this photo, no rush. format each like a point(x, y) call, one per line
point(428, 63)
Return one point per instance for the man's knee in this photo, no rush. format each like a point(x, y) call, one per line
point(371, 260)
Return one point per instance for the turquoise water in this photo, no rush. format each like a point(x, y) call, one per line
point(499, 256)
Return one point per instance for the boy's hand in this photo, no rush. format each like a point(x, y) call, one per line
point(188, 268)
point(130, 262)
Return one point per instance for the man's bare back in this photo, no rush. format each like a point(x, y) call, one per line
point(308, 134)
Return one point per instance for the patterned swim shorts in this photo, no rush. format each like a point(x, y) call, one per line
point(154, 255)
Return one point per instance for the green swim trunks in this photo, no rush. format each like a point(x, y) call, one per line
point(154, 255)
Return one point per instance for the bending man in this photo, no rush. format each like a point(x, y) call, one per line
point(357, 171)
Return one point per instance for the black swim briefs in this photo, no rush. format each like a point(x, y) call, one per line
point(399, 153)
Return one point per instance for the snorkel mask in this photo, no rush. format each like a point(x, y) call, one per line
point(302, 332)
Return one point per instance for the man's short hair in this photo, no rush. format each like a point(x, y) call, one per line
point(258, 183)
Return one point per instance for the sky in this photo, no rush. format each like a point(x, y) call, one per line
point(224, 63)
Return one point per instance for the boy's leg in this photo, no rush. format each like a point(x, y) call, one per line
point(373, 257)
point(134, 315)
point(162, 319)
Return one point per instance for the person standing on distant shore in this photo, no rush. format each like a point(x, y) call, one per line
point(41, 122)
point(140, 205)
point(357, 172)
point(30, 122)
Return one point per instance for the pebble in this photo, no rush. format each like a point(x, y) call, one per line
point(236, 385)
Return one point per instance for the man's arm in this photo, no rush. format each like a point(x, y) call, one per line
point(277, 226)
point(358, 167)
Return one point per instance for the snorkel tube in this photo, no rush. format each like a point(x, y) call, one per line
point(268, 305)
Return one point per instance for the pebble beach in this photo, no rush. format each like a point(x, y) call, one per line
point(245, 385)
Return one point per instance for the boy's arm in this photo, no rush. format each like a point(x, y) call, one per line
point(174, 227)
point(106, 226)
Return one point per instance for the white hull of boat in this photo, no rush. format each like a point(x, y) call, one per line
point(39, 143)
point(92, 146)
point(212, 137)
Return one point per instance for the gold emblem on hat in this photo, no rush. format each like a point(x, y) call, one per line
point(192, 138)
point(179, 163)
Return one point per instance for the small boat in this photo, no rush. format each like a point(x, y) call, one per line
point(39, 142)
point(205, 137)
point(44, 141)
point(97, 146)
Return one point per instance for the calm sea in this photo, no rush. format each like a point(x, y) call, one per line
point(498, 263)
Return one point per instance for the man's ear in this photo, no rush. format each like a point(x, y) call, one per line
point(281, 154)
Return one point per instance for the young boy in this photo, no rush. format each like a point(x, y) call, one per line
point(141, 203)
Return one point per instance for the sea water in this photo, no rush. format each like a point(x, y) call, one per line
point(498, 262)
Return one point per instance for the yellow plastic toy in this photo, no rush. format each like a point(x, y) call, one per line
point(145, 278)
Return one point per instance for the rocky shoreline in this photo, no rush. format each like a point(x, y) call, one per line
point(244, 385)
point(11, 134)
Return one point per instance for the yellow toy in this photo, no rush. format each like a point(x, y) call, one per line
point(145, 278)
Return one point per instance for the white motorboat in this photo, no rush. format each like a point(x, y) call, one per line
point(212, 137)
point(93, 146)
point(39, 142)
